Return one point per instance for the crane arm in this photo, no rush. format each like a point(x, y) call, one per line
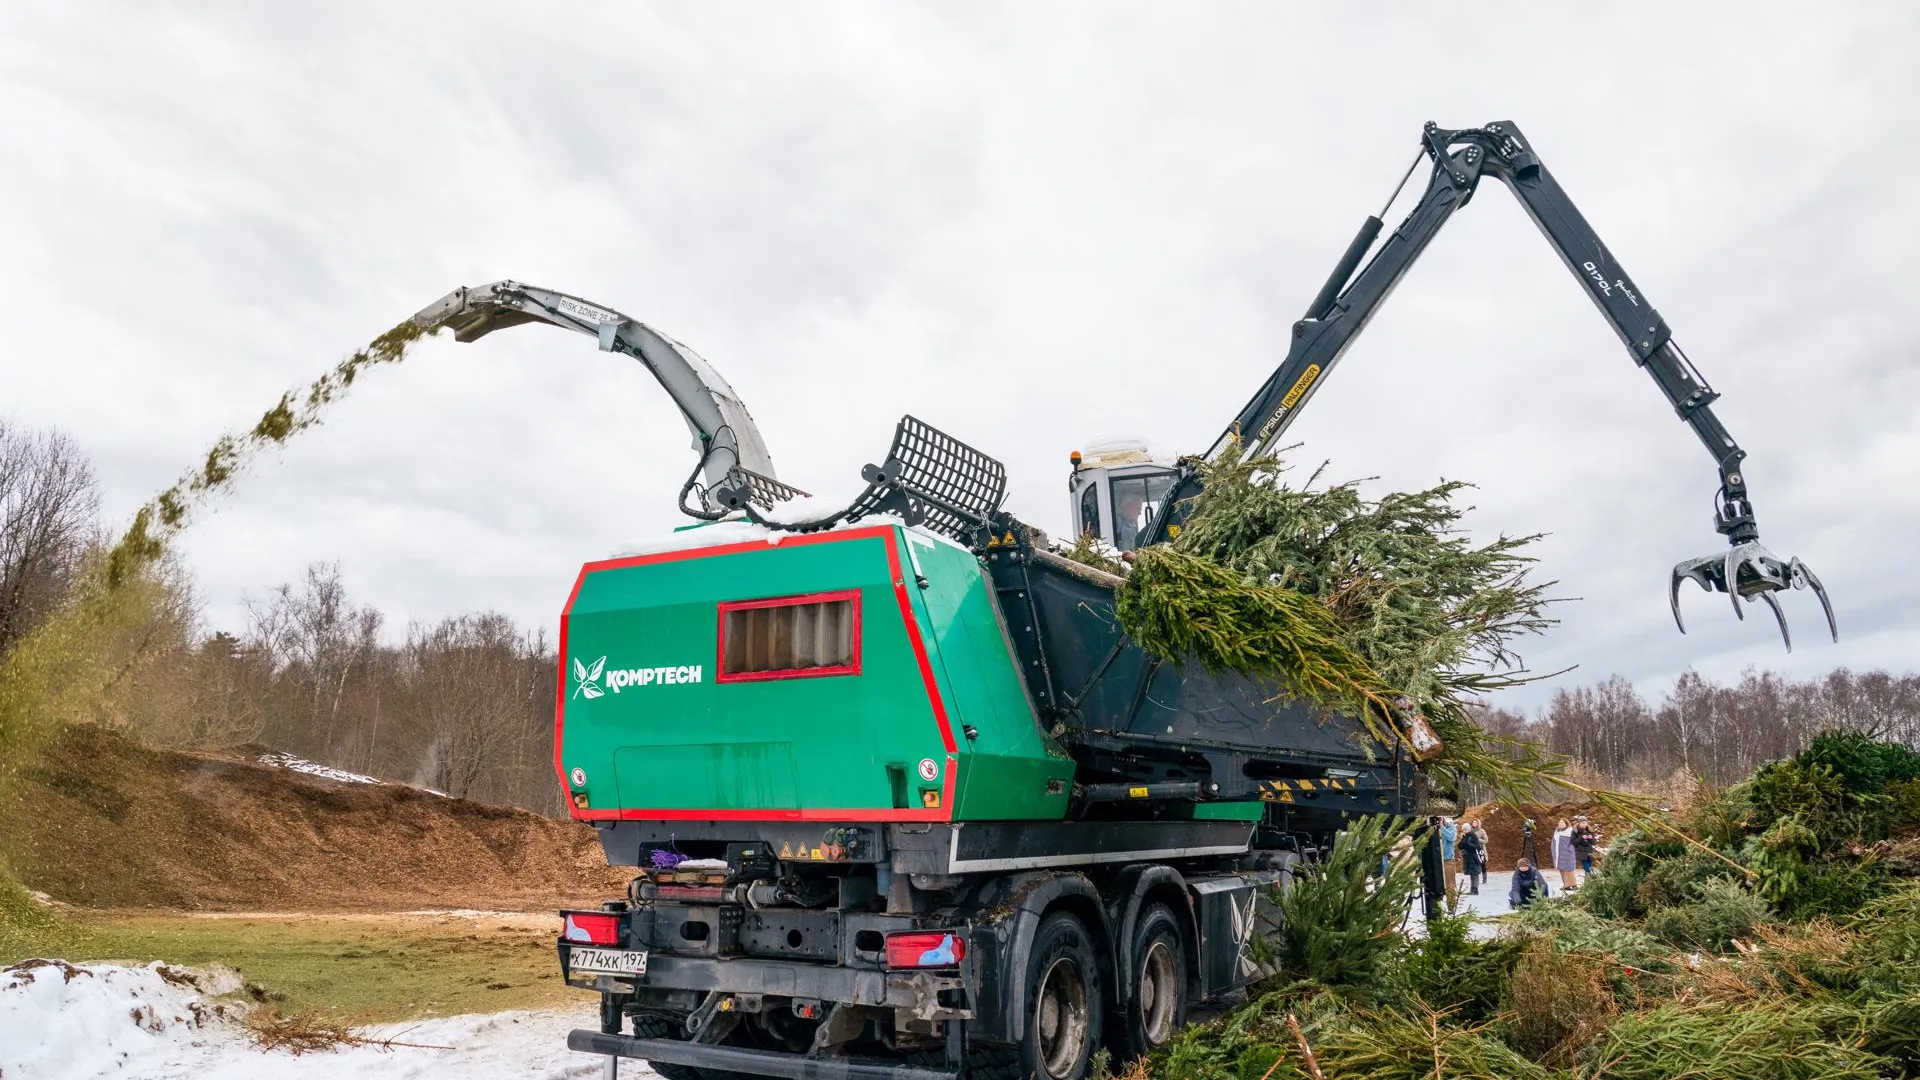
point(1345, 304)
point(732, 453)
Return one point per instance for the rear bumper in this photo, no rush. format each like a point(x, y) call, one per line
point(917, 992)
point(753, 1062)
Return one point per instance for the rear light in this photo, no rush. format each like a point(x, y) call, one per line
point(590, 927)
point(932, 949)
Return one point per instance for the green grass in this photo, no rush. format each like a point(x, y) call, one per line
point(360, 969)
point(29, 929)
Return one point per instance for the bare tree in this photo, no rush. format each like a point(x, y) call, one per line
point(49, 513)
point(470, 688)
point(1882, 705)
point(319, 642)
point(229, 679)
point(1685, 720)
point(1606, 727)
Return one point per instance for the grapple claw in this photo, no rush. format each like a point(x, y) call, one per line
point(1803, 577)
point(1746, 571)
point(1779, 617)
point(1732, 579)
point(1701, 572)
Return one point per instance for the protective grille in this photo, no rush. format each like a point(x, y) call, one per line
point(952, 486)
point(762, 490)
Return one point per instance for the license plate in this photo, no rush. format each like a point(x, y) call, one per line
point(606, 961)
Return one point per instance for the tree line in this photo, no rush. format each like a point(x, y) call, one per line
point(1717, 732)
point(464, 705)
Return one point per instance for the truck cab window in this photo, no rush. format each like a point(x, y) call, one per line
point(1136, 500)
point(1090, 510)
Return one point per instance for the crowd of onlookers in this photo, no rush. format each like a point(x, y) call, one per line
point(1572, 845)
point(1465, 848)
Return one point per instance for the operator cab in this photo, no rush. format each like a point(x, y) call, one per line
point(1116, 489)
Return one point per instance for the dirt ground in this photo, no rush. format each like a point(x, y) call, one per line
point(101, 822)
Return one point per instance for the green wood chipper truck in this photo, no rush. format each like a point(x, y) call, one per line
point(901, 797)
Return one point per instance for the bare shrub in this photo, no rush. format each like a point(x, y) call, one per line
point(49, 506)
point(1557, 1004)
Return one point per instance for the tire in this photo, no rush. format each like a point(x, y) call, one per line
point(649, 1026)
point(983, 1063)
point(1156, 985)
point(1064, 1003)
point(995, 1064)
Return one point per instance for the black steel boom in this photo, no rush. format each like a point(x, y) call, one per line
point(1460, 158)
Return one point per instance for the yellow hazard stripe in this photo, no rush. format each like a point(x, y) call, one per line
point(1342, 783)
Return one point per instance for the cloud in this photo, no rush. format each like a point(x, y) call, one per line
point(1026, 224)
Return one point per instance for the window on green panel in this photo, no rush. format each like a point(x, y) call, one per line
point(790, 637)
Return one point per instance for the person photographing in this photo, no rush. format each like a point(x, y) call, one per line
point(1529, 885)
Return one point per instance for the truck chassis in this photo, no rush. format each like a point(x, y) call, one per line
point(1068, 938)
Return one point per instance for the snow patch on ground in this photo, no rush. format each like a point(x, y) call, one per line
point(313, 768)
point(61, 1021)
point(1487, 907)
point(281, 760)
point(65, 1020)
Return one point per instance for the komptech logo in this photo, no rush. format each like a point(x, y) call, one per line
point(588, 679)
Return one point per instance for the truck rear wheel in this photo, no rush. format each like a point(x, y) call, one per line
point(648, 1026)
point(1063, 1001)
point(1157, 984)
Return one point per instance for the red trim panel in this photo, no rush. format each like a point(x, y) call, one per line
point(885, 533)
point(721, 674)
point(766, 814)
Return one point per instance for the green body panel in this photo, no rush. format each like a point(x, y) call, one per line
point(654, 737)
point(1008, 767)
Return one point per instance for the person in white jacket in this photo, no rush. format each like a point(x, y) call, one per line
point(1563, 855)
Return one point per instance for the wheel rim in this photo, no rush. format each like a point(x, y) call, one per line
point(1159, 994)
point(1060, 1018)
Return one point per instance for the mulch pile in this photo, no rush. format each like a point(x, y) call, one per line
point(99, 821)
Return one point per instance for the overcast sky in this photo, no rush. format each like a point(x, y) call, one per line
point(1028, 224)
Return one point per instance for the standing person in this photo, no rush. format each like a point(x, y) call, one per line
point(1402, 850)
point(1528, 885)
point(1402, 853)
point(1586, 837)
point(1473, 859)
point(1486, 851)
point(1526, 840)
point(1563, 859)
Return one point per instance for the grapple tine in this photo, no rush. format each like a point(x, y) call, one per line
point(1733, 582)
point(1804, 575)
point(1780, 617)
point(1673, 598)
